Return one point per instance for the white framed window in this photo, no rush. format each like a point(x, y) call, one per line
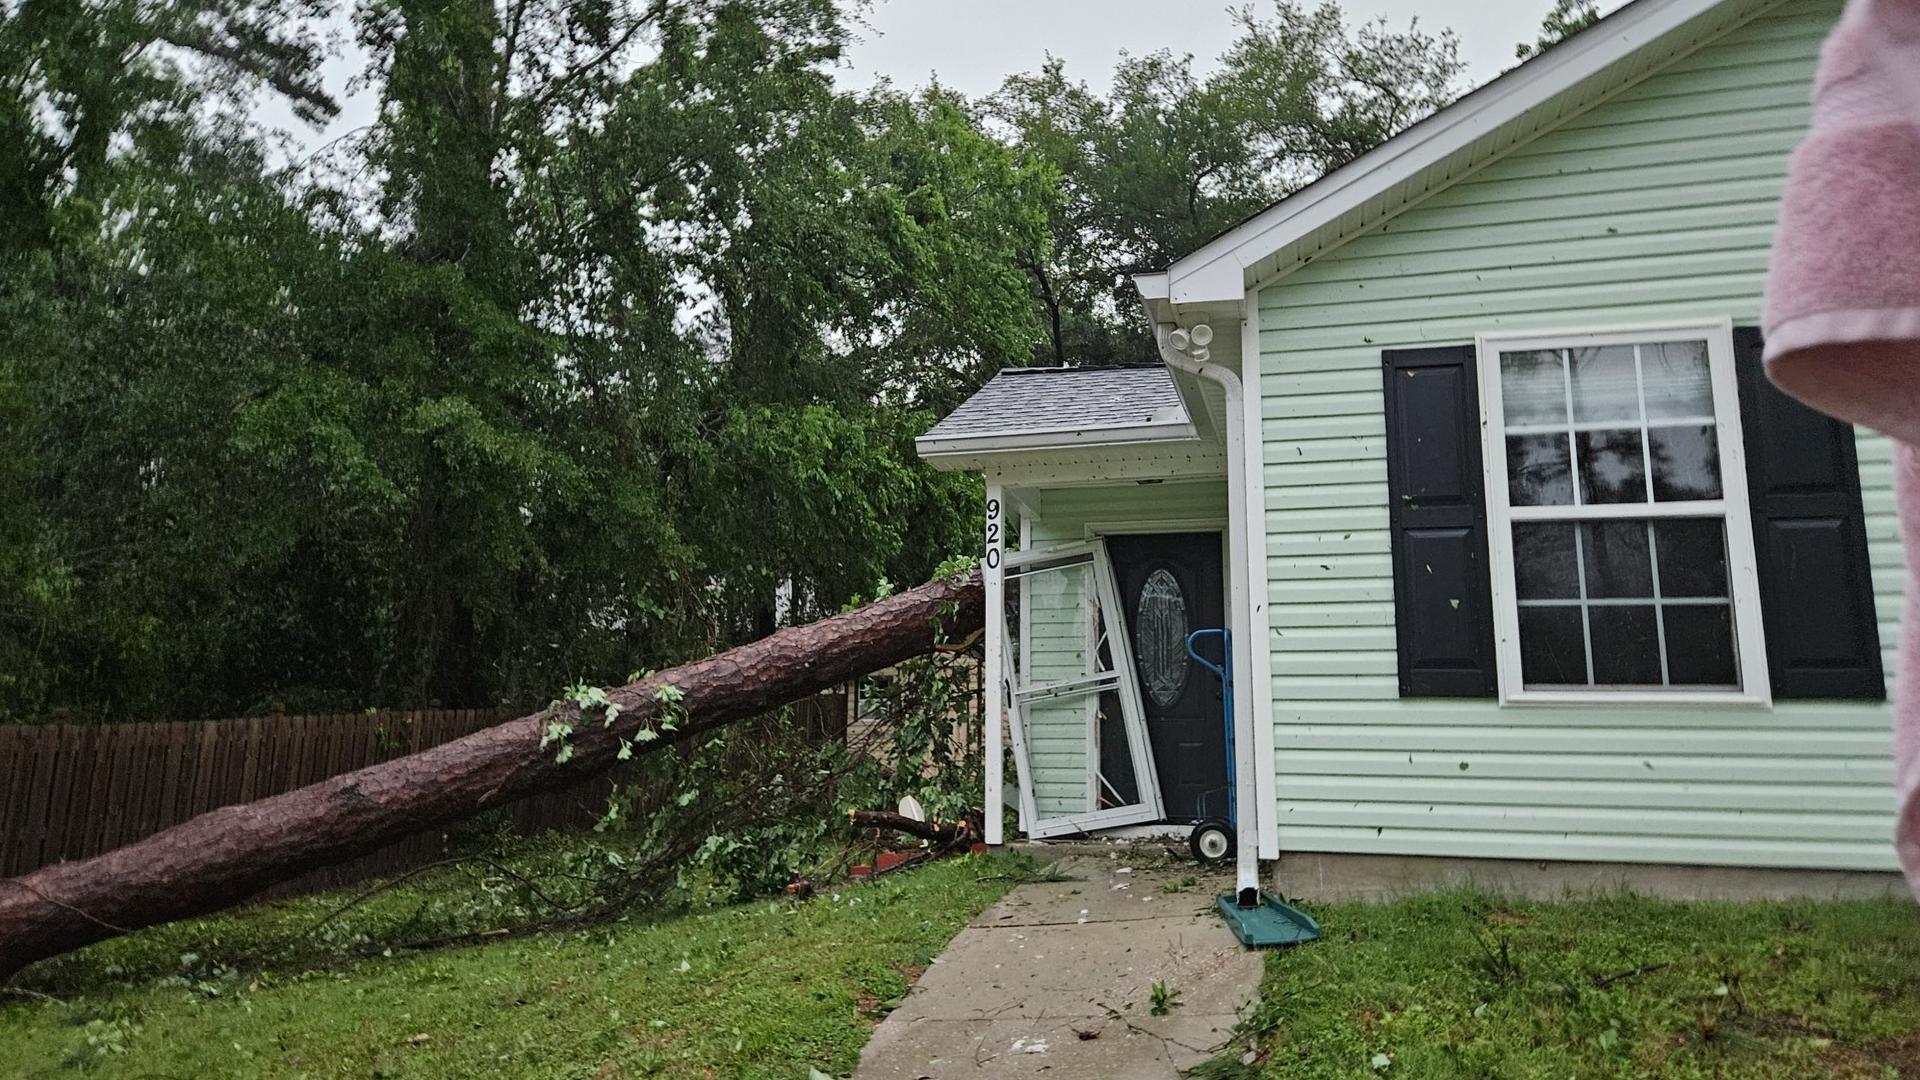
point(1622, 550)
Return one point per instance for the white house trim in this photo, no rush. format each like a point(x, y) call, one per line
point(1254, 536)
point(1223, 270)
point(993, 679)
point(1115, 466)
point(1114, 435)
point(1152, 526)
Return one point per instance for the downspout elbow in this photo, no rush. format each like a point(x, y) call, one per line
point(1186, 350)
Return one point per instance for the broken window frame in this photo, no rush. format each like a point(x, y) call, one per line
point(1121, 678)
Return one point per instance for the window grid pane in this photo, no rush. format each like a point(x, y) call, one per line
point(1622, 558)
point(1605, 384)
point(1679, 379)
point(1600, 404)
point(1535, 393)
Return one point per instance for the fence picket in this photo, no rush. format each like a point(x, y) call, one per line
point(30, 822)
point(178, 774)
point(16, 757)
point(131, 820)
point(96, 814)
point(13, 755)
point(66, 776)
point(303, 764)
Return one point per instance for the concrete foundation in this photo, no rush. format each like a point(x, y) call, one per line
point(1335, 877)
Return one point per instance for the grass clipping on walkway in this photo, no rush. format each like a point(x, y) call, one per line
point(768, 989)
point(1461, 985)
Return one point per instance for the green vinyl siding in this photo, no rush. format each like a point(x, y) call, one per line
point(1655, 205)
point(1059, 624)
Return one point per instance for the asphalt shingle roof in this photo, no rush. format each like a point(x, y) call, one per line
point(1034, 401)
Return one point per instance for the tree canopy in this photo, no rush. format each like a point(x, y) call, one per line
point(1565, 19)
point(1169, 159)
point(603, 347)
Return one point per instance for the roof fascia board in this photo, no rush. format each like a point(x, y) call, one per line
point(1118, 435)
point(1197, 461)
point(1217, 272)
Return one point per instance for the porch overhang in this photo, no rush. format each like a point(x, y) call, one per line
point(937, 450)
point(1048, 415)
point(1090, 463)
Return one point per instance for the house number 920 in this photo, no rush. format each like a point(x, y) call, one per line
point(993, 534)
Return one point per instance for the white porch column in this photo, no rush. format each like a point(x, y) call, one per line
point(993, 703)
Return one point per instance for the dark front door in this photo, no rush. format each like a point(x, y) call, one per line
point(1171, 585)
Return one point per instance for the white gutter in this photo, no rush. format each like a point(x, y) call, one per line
point(1186, 350)
point(1094, 435)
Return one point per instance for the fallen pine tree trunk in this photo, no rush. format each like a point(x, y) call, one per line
point(224, 856)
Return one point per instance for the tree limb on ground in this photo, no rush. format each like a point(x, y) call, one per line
point(224, 856)
point(944, 834)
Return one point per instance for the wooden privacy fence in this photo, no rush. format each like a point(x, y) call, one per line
point(68, 791)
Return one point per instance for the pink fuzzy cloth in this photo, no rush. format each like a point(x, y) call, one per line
point(1842, 322)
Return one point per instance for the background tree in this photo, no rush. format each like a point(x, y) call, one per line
point(117, 127)
point(1567, 18)
point(629, 334)
point(602, 348)
point(1167, 159)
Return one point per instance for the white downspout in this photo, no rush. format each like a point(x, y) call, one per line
point(1186, 350)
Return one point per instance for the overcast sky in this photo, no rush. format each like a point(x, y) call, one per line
point(973, 44)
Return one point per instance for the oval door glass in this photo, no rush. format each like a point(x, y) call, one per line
point(1162, 629)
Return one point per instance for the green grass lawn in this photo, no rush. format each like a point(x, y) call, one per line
point(1455, 985)
point(769, 989)
point(1459, 985)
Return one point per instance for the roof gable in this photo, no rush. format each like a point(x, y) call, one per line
point(1533, 98)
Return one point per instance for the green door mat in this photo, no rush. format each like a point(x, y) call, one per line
point(1272, 923)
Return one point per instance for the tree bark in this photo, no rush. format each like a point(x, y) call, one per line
point(225, 856)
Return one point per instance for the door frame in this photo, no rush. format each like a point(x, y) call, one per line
point(1098, 530)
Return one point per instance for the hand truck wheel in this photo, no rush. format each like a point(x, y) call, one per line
point(1212, 841)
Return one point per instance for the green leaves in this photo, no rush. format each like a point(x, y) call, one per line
point(1563, 20)
point(604, 347)
point(592, 348)
point(1168, 159)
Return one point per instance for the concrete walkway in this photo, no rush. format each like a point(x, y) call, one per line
point(1056, 980)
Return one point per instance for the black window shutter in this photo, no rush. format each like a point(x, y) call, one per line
point(1809, 539)
point(1443, 608)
